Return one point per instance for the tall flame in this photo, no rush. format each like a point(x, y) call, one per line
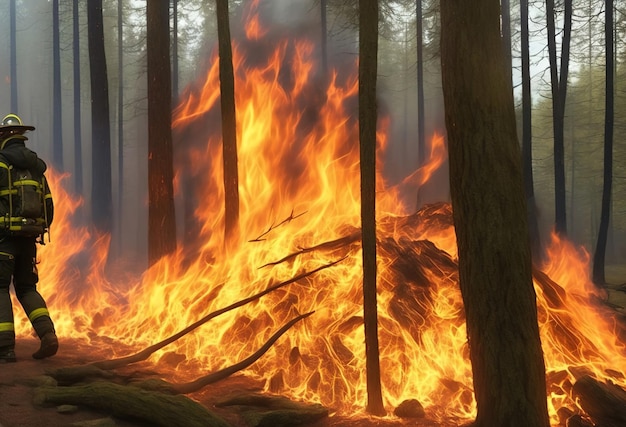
point(299, 202)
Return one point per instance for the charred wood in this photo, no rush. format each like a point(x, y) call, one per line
point(604, 402)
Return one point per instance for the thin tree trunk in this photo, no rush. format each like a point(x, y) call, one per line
point(101, 198)
point(324, 39)
point(78, 152)
point(175, 52)
point(368, 69)
point(120, 119)
point(229, 124)
point(57, 121)
point(527, 150)
point(558, 83)
point(489, 212)
point(600, 253)
point(13, 56)
point(421, 128)
point(161, 219)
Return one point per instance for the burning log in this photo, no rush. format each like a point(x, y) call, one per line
point(159, 409)
point(604, 402)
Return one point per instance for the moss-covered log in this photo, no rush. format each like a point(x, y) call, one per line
point(261, 410)
point(129, 402)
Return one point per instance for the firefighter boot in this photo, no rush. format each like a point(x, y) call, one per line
point(49, 346)
point(7, 355)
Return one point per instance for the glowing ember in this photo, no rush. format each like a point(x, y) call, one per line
point(298, 156)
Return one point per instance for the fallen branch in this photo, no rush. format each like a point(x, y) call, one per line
point(66, 374)
point(284, 221)
point(214, 377)
point(147, 352)
point(332, 244)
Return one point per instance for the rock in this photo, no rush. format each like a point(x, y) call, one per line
point(410, 408)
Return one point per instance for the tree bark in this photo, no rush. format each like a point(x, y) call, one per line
point(368, 57)
point(421, 128)
point(78, 149)
point(527, 147)
point(609, 112)
point(558, 83)
point(101, 197)
point(229, 123)
point(489, 212)
point(161, 219)
point(13, 55)
point(57, 110)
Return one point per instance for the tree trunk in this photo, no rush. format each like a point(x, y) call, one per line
point(120, 120)
point(175, 52)
point(558, 83)
point(78, 149)
point(229, 124)
point(489, 212)
point(600, 252)
point(13, 54)
point(421, 132)
point(101, 198)
point(324, 39)
point(57, 110)
point(368, 68)
point(527, 148)
point(161, 220)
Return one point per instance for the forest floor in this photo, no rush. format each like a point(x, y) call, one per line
point(18, 383)
point(17, 408)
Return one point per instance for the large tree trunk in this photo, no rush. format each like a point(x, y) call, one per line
point(600, 252)
point(229, 123)
point(368, 57)
point(161, 220)
point(489, 213)
point(101, 197)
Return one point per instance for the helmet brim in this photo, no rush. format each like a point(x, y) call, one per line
point(16, 128)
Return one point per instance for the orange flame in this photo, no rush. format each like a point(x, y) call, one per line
point(299, 170)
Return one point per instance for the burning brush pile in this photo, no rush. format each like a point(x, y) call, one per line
point(284, 306)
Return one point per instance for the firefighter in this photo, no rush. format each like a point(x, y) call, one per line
point(18, 253)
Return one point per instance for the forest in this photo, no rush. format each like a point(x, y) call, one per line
point(46, 76)
point(146, 159)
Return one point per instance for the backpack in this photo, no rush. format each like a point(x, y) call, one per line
point(23, 202)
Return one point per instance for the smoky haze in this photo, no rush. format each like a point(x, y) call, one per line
point(196, 47)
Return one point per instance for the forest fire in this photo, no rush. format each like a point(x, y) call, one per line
point(299, 201)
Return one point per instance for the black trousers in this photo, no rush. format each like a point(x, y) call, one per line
point(18, 264)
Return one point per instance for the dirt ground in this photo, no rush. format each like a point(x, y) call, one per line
point(18, 382)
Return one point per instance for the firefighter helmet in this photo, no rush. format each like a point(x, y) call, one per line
point(12, 123)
